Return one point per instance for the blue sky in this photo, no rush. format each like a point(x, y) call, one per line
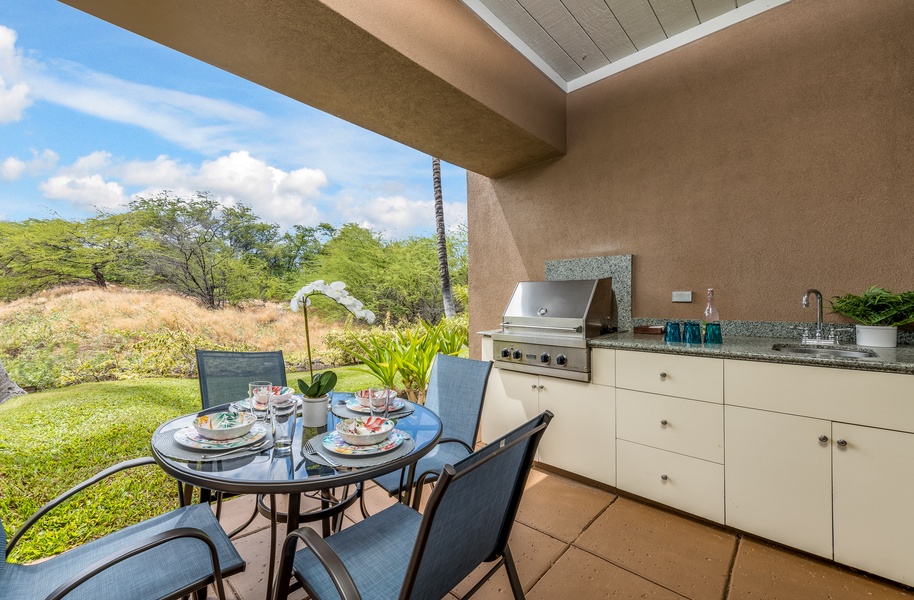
point(92, 115)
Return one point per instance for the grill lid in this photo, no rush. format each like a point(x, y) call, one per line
point(581, 308)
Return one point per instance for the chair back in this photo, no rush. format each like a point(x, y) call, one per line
point(224, 376)
point(456, 389)
point(470, 513)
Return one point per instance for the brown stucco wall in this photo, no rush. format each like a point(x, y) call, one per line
point(771, 157)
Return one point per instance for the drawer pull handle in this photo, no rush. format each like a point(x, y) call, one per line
point(842, 443)
point(663, 422)
point(823, 438)
point(662, 375)
point(664, 478)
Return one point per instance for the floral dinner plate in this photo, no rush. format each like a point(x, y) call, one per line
point(354, 405)
point(189, 438)
point(333, 442)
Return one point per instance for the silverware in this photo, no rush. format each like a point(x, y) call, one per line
point(310, 449)
point(256, 446)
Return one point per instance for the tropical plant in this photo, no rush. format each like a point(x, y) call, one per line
point(414, 354)
point(377, 355)
point(876, 306)
point(324, 382)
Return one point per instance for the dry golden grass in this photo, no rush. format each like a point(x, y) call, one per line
point(99, 314)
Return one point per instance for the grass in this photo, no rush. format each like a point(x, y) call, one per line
point(50, 441)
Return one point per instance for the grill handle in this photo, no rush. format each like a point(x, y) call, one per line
point(577, 329)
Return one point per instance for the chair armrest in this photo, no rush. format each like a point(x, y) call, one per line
point(138, 548)
point(327, 557)
point(127, 464)
point(455, 440)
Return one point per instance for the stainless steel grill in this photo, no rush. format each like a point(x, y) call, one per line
point(547, 324)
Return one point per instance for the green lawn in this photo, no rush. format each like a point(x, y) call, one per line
point(50, 441)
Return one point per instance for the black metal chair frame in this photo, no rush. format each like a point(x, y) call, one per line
point(137, 548)
point(340, 576)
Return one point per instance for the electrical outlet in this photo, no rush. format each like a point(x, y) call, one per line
point(682, 296)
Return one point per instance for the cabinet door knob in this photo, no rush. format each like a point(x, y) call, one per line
point(542, 387)
point(841, 443)
point(663, 422)
point(662, 375)
point(533, 387)
point(663, 477)
point(823, 438)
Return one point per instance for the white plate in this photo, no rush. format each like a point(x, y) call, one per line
point(334, 443)
point(189, 438)
point(354, 405)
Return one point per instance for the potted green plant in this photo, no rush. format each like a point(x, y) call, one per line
point(317, 394)
point(879, 313)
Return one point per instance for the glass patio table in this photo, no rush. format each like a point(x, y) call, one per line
point(271, 472)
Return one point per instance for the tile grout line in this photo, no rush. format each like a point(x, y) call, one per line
point(729, 581)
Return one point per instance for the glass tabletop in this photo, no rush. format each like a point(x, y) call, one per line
point(272, 471)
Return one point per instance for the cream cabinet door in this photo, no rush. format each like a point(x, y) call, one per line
point(582, 436)
point(873, 496)
point(511, 400)
point(778, 477)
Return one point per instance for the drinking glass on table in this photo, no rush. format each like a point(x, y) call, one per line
point(282, 417)
point(379, 401)
point(259, 393)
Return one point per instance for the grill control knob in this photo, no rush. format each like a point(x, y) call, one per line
point(517, 355)
point(544, 357)
point(561, 360)
point(505, 353)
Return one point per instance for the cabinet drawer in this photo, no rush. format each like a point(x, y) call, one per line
point(694, 377)
point(861, 397)
point(603, 366)
point(675, 424)
point(691, 484)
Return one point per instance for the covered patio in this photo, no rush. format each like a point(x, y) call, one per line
point(571, 540)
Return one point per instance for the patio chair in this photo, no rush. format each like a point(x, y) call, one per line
point(399, 553)
point(167, 556)
point(456, 389)
point(224, 376)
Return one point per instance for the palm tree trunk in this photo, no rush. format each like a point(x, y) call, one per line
point(443, 271)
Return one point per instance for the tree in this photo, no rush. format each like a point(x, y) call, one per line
point(443, 273)
point(199, 248)
point(8, 388)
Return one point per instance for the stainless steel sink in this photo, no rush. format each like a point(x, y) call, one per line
point(824, 351)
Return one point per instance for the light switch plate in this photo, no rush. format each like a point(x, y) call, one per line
point(682, 296)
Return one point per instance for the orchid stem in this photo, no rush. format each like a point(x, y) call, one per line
point(308, 340)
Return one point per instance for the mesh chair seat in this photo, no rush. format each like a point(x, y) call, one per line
point(399, 553)
point(169, 570)
point(365, 550)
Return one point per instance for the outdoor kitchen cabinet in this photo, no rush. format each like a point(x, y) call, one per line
point(820, 459)
point(669, 430)
point(581, 437)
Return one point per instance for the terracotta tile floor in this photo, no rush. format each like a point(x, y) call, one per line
point(575, 542)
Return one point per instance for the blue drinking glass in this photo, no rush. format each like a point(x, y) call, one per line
point(712, 334)
point(692, 333)
point(671, 333)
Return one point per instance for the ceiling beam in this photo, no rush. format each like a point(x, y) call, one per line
point(427, 74)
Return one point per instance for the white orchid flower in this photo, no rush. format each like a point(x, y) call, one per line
point(335, 291)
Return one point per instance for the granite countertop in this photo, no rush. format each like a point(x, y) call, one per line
point(890, 360)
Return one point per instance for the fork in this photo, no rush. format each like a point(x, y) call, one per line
point(310, 449)
point(255, 446)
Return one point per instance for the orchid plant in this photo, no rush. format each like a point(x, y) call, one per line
point(336, 291)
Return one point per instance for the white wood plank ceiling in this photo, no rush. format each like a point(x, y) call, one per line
point(577, 42)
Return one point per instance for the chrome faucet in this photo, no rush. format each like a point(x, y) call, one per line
point(818, 310)
point(820, 337)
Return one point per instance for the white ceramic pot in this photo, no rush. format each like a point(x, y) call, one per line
point(314, 411)
point(877, 337)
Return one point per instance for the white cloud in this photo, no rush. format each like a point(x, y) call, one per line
point(14, 94)
point(89, 191)
point(11, 169)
